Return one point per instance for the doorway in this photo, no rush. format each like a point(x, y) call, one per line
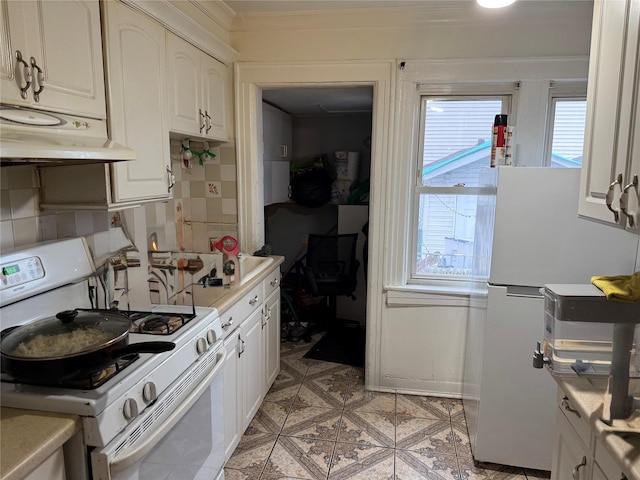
point(318, 130)
point(250, 81)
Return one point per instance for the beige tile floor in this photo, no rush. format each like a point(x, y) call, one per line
point(318, 422)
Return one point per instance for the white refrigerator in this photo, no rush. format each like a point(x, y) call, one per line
point(528, 234)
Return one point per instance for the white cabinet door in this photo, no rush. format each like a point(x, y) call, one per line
point(198, 90)
point(251, 356)
point(611, 105)
point(215, 91)
point(184, 86)
point(571, 459)
point(64, 40)
point(136, 66)
point(232, 394)
point(271, 339)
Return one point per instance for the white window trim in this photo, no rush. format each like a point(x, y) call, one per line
point(532, 73)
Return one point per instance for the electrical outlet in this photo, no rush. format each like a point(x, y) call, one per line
point(304, 238)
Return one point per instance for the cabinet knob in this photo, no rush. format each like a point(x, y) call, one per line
point(253, 301)
point(228, 324)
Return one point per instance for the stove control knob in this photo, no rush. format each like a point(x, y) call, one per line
point(149, 393)
point(211, 337)
point(130, 409)
point(201, 345)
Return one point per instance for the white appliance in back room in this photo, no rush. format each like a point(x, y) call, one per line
point(528, 235)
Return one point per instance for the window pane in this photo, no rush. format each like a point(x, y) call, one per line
point(457, 139)
point(568, 133)
point(446, 226)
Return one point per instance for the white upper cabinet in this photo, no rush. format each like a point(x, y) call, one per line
point(136, 65)
point(611, 164)
point(198, 89)
point(51, 56)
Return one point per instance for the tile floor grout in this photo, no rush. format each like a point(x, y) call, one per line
point(318, 422)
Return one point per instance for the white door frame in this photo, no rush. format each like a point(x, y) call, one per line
point(250, 79)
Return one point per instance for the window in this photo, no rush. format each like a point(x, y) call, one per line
point(454, 154)
point(566, 124)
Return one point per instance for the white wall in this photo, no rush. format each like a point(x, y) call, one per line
point(416, 344)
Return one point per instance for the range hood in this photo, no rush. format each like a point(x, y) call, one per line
point(37, 136)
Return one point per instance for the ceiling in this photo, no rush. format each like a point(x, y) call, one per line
point(321, 100)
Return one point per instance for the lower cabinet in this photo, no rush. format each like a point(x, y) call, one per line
point(51, 469)
point(571, 457)
point(578, 454)
point(253, 359)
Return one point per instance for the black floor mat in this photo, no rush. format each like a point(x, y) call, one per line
point(340, 345)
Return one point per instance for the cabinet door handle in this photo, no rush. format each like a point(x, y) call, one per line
point(27, 72)
point(624, 199)
point(609, 197)
point(171, 179)
point(208, 121)
point(202, 120)
point(283, 151)
point(567, 406)
point(576, 470)
point(39, 79)
point(240, 350)
point(228, 324)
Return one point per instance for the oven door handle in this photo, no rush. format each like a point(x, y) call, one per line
point(127, 458)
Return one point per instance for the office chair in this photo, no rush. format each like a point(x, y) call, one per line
point(330, 269)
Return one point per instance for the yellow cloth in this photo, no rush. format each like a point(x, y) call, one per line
point(625, 288)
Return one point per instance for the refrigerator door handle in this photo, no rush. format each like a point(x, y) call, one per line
point(519, 291)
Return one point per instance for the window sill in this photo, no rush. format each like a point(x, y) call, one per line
point(427, 295)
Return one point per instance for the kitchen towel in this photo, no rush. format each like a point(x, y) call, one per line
point(625, 288)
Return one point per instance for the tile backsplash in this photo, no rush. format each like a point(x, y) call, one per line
point(204, 202)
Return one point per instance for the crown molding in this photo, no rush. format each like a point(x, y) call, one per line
point(185, 27)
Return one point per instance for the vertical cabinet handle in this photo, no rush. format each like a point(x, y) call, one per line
point(576, 470)
point(624, 199)
point(609, 197)
point(240, 350)
point(27, 73)
point(208, 121)
point(39, 79)
point(202, 120)
point(171, 179)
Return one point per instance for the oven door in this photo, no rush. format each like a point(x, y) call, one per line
point(180, 437)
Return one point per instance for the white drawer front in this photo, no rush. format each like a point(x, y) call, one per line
point(251, 301)
point(271, 282)
point(231, 319)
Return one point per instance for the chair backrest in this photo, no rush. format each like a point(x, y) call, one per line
point(331, 261)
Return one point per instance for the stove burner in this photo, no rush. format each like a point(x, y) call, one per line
point(89, 380)
point(161, 324)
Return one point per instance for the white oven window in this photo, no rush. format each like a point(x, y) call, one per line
point(191, 449)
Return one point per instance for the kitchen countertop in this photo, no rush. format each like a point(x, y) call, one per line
point(586, 395)
point(30, 437)
point(224, 298)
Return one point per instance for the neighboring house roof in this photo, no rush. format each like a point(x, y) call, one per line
point(482, 152)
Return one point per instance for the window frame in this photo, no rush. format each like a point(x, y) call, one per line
point(506, 92)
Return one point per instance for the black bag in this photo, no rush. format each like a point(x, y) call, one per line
point(312, 189)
